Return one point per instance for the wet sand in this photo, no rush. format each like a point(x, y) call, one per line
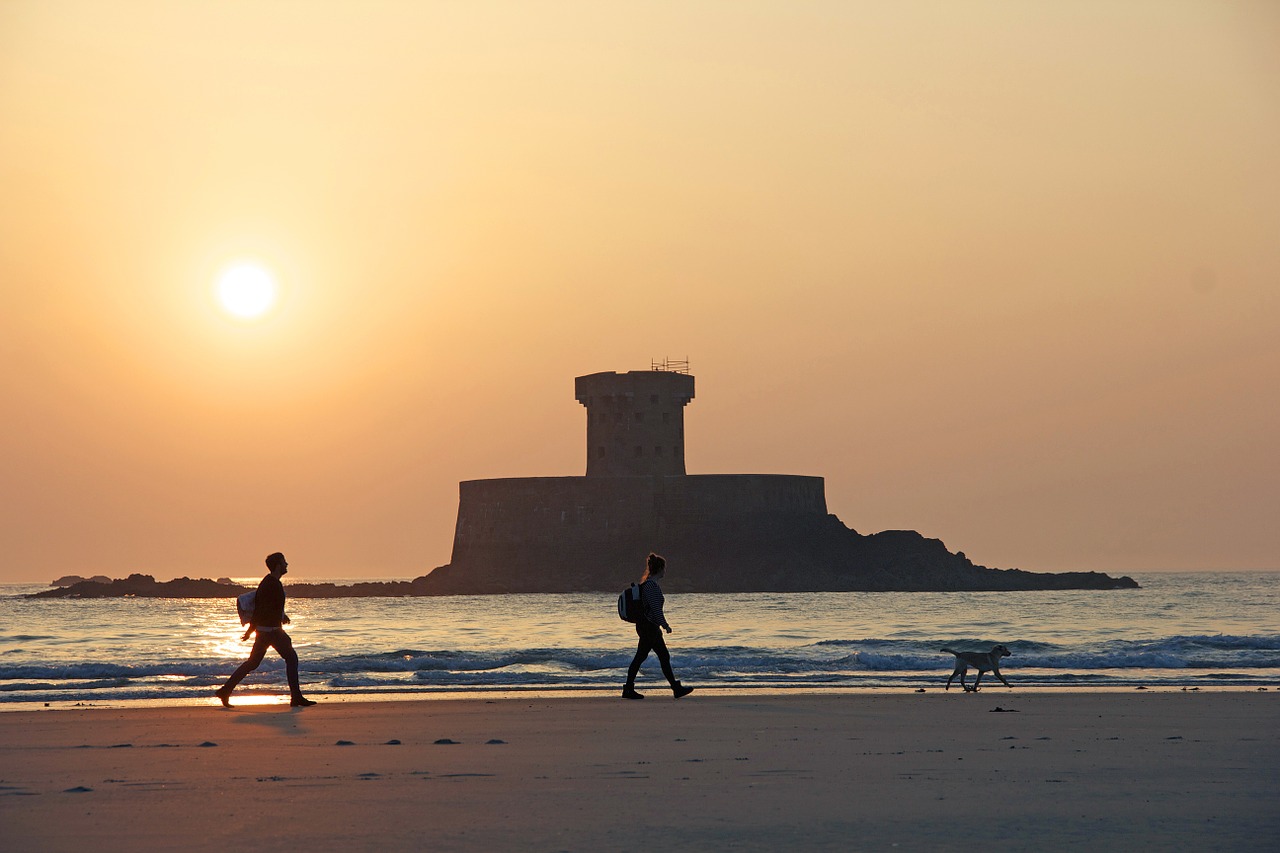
point(1110, 771)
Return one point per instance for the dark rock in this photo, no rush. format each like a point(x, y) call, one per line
point(144, 586)
point(789, 554)
point(68, 580)
point(784, 553)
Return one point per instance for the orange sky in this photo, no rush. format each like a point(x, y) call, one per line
point(1004, 273)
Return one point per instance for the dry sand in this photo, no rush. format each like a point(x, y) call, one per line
point(1158, 771)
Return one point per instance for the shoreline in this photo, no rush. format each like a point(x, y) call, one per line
point(1021, 769)
point(280, 696)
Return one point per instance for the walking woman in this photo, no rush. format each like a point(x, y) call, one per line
point(649, 628)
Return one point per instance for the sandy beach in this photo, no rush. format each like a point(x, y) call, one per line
point(1190, 771)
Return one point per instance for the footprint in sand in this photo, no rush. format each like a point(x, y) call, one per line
point(78, 789)
point(445, 740)
point(15, 791)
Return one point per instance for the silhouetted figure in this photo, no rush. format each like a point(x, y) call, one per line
point(268, 621)
point(649, 628)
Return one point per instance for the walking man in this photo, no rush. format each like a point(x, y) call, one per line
point(268, 621)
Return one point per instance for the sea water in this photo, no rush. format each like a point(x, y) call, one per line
point(1180, 630)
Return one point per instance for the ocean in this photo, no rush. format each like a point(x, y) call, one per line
point(1180, 630)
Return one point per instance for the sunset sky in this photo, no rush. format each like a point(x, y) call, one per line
point(1004, 273)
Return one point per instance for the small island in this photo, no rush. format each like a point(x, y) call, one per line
point(719, 532)
point(72, 580)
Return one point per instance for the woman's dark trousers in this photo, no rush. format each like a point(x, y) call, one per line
point(650, 641)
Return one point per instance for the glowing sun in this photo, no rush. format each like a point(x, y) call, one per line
point(246, 290)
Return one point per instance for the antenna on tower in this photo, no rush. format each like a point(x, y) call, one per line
point(668, 365)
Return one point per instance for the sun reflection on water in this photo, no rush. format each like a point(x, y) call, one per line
point(213, 629)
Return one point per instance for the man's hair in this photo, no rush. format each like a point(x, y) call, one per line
point(274, 560)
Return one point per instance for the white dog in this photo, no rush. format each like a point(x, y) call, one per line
point(981, 661)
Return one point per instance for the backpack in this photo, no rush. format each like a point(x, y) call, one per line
point(629, 604)
point(244, 606)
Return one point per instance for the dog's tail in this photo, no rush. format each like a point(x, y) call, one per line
point(949, 651)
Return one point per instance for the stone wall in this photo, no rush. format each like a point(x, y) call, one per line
point(567, 510)
point(589, 533)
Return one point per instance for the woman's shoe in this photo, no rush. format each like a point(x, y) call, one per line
point(301, 702)
point(680, 690)
point(630, 693)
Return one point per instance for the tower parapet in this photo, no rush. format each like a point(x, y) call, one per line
point(635, 422)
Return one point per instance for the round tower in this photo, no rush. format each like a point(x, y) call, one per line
point(635, 420)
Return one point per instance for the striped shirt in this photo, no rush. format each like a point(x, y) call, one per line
point(651, 601)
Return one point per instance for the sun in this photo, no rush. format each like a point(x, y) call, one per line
point(246, 290)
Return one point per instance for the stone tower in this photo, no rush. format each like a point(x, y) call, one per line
point(635, 420)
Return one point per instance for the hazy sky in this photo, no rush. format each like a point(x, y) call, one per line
point(1003, 273)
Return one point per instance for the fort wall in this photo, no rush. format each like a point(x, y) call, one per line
point(559, 511)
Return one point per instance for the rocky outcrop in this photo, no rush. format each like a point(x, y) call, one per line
point(69, 580)
point(760, 553)
point(146, 586)
point(143, 586)
point(798, 554)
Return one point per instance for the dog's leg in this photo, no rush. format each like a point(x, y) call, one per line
point(957, 671)
point(1001, 677)
point(976, 680)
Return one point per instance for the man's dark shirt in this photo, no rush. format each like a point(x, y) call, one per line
point(268, 606)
